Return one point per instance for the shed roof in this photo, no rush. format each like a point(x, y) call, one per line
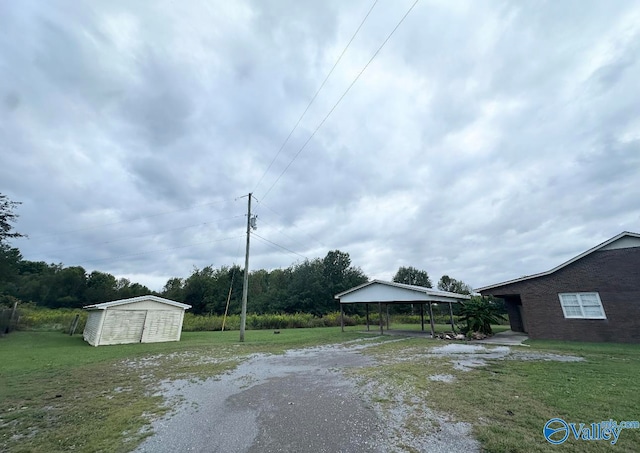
point(105, 305)
point(622, 240)
point(391, 292)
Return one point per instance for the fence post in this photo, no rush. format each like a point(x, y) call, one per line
point(74, 325)
point(11, 325)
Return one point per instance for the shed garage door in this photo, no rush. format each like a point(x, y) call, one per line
point(123, 326)
point(162, 325)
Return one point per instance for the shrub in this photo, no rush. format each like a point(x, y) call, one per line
point(478, 314)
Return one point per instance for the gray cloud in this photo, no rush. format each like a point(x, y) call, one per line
point(486, 141)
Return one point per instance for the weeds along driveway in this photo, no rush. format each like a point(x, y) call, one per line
point(323, 399)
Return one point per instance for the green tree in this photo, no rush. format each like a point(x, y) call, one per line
point(101, 287)
point(307, 291)
point(7, 217)
point(10, 258)
point(412, 276)
point(452, 285)
point(276, 298)
point(339, 274)
point(68, 287)
point(174, 289)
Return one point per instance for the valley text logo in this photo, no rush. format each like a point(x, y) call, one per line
point(556, 430)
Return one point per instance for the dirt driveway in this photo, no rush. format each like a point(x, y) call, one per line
point(304, 401)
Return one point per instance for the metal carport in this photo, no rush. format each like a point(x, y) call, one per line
point(383, 292)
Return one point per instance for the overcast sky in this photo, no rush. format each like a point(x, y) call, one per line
point(486, 140)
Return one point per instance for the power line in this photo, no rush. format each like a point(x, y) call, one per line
point(159, 250)
point(280, 231)
point(315, 95)
point(278, 245)
point(93, 227)
point(341, 98)
point(281, 216)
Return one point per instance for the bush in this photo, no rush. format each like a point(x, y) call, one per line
point(478, 314)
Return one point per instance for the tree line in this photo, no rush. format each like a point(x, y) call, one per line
point(307, 287)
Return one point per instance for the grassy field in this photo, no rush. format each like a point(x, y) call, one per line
point(509, 401)
point(59, 394)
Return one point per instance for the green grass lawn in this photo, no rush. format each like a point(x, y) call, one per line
point(509, 401)
point(57, 393)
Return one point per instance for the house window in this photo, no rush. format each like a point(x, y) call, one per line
point(582, 306)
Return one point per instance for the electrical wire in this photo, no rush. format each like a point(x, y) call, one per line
point(261, 204)
point(315, 95)
point(278, 245)
point(340, 99)
point(280, 231)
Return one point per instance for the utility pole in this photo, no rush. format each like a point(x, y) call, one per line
point(245, 283)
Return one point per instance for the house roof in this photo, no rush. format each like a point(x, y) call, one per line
point(608, 244)
point(400, 293)
point(105, 305)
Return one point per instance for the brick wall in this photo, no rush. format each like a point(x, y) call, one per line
point(614, 274)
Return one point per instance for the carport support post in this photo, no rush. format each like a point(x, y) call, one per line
point(380, 317)
point(341, 318)
point(387, 305)
point(367, 308)
point(433, 326)
point(453, 329)
point(422, 316)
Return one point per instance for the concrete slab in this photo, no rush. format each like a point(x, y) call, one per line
point(506, 338)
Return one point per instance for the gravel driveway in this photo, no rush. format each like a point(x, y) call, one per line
point(299, 401)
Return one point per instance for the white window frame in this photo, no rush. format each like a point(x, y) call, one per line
point(581, 304)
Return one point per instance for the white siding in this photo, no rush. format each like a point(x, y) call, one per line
point(122, 326)
point(623, 243)
point(162, 325)
point(90, 333)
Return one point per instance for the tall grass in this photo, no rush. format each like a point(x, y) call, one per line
point(194, 323)
point(34, 318)
point(49, 319)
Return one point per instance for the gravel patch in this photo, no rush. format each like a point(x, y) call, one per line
point(412, 426)
point(442, 378)
point(466, 356)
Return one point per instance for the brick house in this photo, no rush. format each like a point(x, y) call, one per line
point(592, 297)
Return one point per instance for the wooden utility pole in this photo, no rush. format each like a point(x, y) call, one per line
point(245, 283)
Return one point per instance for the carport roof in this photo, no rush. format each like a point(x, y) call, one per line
point(391, 292)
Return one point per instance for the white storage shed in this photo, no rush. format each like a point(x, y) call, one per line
point(144, 319)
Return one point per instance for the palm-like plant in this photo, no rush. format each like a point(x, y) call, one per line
point(478, 314)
